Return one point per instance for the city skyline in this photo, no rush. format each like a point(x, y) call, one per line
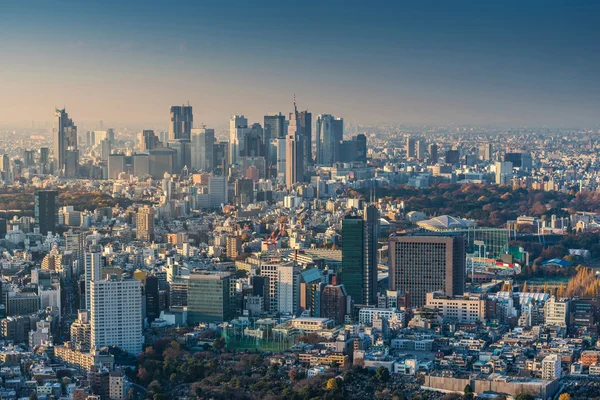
point(469, 63)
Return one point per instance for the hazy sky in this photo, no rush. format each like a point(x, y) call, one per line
point(501, 62)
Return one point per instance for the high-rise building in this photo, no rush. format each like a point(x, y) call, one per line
point(116, 165)
point(305, 130)
point(244, 191)
point(361, 147)
point(433, 153)
point(423, 264)
point(217, 190)
point(452, 156)
point(28, 158)
point(485, 152)
point(233, 246)
point(203, 140)
point(420, 146)
point(151, 291)
point(551, 367)
point(93, 263)
point(283, 286)
point(116, 314)
point(333, 302)
point(147, 140)
point(504, 170)
point(44, 155)
point(5, 165)
point(210, 297)
point(359, 255)
point(105, 148)
point(411, 149)
point(294, 152)
point(46, 211)
point(64, 134)
point(238, 127)
point(145, 223)
point(180, 126)
point(330, 132)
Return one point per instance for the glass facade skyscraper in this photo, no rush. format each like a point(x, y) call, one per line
point(359, 256)
point(209, 297)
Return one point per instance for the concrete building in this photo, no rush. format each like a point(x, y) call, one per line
point(210, 297)
point(116, 314)
point(467, 309)
point(145, 223)
point(551, 367)
point(423, 264)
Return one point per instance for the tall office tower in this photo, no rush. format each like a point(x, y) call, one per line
point(151, 291)
point(519, 160)
point(116, 314)
point(281, 150)
point(141, 165)
point(305, 130)
point(283, 286)
point(238, 127)
point(105, 149)
point(452, 156)
point(244, 191)
point(274, 127)
point(330, 132)
point(210, 297)
point(433, 154)
point(116, 165)
point(64, 134)
point(46, 211)
point(28, 158)
point(203, 141)
point(93, 264)
point(359, 256)
point(217, 190)
point(180, 126)
point(161, 161)
point(411, 149)
point(423, 264)
point(145, 223)
point(420, 149)
point(147, 140)
point(74, 243)
point(71, 163)
point(485, 152)
point(504, 170)
point(333, 302)
point(182, 155)
point(361, 147)
point(44, 155)
point(253, 142)
point(294, 153)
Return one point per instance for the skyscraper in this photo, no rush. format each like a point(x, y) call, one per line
point(294, 154)
point(64, 135)
point(359, 255)
point(504, 170)
point(433, 154)
point(147, 140)
point(274, 127)
point(210, 297)
point(305, 130)
point(485, 152)
point(116, 314)
point(238, 127)
point(93, 263)
point(423, 264)
point(411, 150)
point(330, 132)
point(203, 140)
point(145, 223)
point(180, 126)
point(46, 211)
point(420, 149)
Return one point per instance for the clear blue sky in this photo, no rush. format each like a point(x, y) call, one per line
point(500, 62)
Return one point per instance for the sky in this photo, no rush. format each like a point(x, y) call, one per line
point(514, 63)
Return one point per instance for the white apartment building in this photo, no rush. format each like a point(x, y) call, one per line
point(283, 286)
point(551, 367)
point(556, 311)
point(462, 309)
point(92, 262)
point(366, 315)
point(116, 314)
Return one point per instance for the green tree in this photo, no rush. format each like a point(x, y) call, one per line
point(382, 374)
point(524, 396)
point(219, 343)
point(468, 391)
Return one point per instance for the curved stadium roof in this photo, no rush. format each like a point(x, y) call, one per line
point(446, 222)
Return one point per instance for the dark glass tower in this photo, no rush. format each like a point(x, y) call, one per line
point(46, 211)
point(359, 256)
